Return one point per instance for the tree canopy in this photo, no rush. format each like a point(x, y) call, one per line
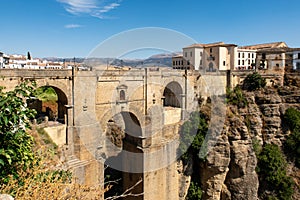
point(254, 81)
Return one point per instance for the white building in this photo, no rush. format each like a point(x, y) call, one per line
point(2, 60)
point(296, 59)
point(193, 56)
point(246, 59)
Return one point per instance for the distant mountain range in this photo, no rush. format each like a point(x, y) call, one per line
point(162, 60)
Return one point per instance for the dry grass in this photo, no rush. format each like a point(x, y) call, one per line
point(47, 179)
point(44, 181)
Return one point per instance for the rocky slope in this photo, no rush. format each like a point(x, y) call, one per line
point(228, 171)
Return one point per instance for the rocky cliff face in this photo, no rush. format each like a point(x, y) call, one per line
point(228, 171)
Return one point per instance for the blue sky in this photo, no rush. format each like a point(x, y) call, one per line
point(68, 28)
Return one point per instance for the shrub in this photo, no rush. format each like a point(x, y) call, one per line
point(194, 192)
point(254, 81)
point(236, 97)
point(272, 171)
point(192, 135)
point(292, 144)
point(292, 118)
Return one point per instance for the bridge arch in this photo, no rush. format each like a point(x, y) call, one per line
point(129, 163)
point(173, 95)
point(63, 98)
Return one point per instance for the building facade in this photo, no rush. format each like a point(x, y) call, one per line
point(296, 59)
point(246, 59)
point(207, 57)
point(219, 56)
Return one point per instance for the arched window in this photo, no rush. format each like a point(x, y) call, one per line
point(122, 95)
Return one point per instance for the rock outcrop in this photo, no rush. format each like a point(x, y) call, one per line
point(228, 171)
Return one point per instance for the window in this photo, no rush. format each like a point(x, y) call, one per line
point(243, 55)
point(277, 65)
point(243, 62)
point(298, 65)
point(239, 62)
point(249, 55)
point(188, 62)
point(182, 62)
point(224, 63)
point(249, 62)
point(298, 55)
point(185, 55)
point(263, 56)
point(210, 50)
point(252, 55)
point(122, 95)
point(173, 63)
point(201, 62)
point(239, 55)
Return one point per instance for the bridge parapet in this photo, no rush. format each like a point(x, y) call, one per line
point(32, 73)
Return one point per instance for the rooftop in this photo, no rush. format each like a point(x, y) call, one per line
point(265, 46)
point(216, 44)
point(178, 56)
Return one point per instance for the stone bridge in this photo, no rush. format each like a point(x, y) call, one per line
point(146, 105)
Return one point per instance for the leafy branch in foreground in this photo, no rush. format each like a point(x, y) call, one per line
point(15, 144)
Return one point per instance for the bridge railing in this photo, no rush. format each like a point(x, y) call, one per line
point(35, 73)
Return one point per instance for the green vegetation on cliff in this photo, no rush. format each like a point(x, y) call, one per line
point(192, 136)
point(292, 145)
point(272, 174)
point(236, 97)
point(194, 192)
point(254, 81)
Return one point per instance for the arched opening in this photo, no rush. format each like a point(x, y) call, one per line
point(49, 101)
point(125, 128)
point(172, 95)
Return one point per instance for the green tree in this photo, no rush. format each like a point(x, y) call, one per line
point(254, 81)
point(15, 144)
point(28, 55)
point(292, 144)
point(192, 135)
point(292, 118)
point(272, 171)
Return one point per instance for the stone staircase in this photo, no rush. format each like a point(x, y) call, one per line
point(74, 163)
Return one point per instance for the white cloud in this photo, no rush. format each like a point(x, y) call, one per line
point(73, 26)
point(95, 8)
